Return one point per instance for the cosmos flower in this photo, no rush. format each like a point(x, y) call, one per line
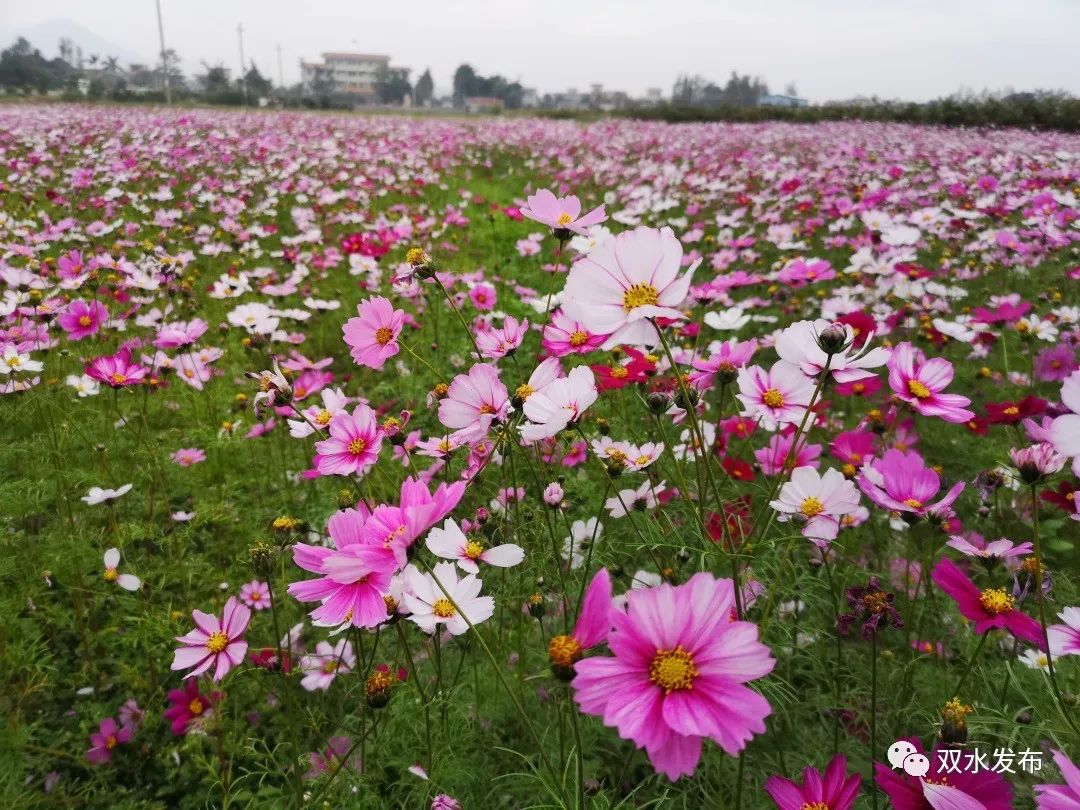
point(117, 370)
point(326, 664)
point(105, 739)
point(820, 500)
point(476, 398)
point(625, 282)
point(944, 787)
point(974, 545)
point(1065, 637)
point(214, 643)
point(255, 594)
point(1060, 797)
point(900, 482)
point(799, 345)
point(832, 790)
point(354, 443)
point(561, 214)
point(593, 624)
point(372, 335)
point(724, 363)
point(777, 397)
point(98, 495)
point(496, 343)
point(988, 609)
point(558, 404)
point(187, 456)
point(188, 705)
point(676, 674)
point(450, 543)
point(920, 383)
point(82, 319)
point(129, 582)
point(872, 606)
point(564, 336)
point(430, 605)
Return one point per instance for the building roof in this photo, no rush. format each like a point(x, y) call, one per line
point(370, 57)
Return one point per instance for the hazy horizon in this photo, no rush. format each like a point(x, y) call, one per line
point(831, 49)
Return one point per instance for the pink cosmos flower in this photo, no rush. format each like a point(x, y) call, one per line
point(625, 282)
point(329, 661)
point(475, 398)
point(1056, 363)
point(561, 213)
point(353, 446)
point(354, 574)
point(593, 624)
point(677, 673)
point(1060, 797)
point(451, 543)
point(778, 396)
point(186, 456)
point(214, 643)
point(725, 362)
point(255, 594)
point(800, 272)
point(179, 334)
point(372, 337)
point(919, 382)
point(187, 706)
point(116, 370)
point(483, 297)
point(564, 336)
point(772, 458)
point(820, 500)
point(70, 266)
point(975, 545)
point(852, 448)
point(1065, 429)
point(1065, 638)
point(1037, 461)
point(833, 790)
point(500, 342)
point(558, 404)
point(944, 787)
point(988, 609)
point(798, 345)
point(105, 739)
point(901, 482)
point(82, 319)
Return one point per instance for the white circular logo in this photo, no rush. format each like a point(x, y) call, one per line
point(898, 751)
point(916, 764)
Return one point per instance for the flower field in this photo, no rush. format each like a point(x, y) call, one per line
point(472, 463)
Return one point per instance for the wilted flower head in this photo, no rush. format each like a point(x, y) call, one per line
point(872, 606)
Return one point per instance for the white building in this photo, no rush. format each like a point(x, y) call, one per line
point(352, 74)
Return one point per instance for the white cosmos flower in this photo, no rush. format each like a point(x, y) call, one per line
point(129, 582)
point(98, 495)
point(729, 320)
point(428, 602)
point(451, 543)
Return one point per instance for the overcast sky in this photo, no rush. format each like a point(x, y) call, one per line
point(831, 49)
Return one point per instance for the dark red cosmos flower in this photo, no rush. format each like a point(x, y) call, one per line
point(732, 525)
point(267, 658)
point(989, 609)
point(861, 324)
point(977, 425)
point(872, 606)
point(1064, 497)
point(738, 469)
point(636, 370)
point(1010, 413)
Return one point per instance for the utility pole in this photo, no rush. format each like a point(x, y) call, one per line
point(243, 73)
point(164, 63)
point(280, 72)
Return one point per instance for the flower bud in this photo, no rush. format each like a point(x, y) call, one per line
point(262, 556)
point(833, 339)
point(658, 402)
point(687, 398)
point(536, 606)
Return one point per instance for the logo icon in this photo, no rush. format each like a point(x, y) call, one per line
point(903, 754)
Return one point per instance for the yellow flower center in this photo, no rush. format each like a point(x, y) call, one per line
point(391, 604)
point(110, 742)
point(876, 602)
point(443, 608)
point(473, 550)
point(619, 372)
point(118, 378)
point(445, 446)
point(196, 706)
point(110, 575)
point(217, 642)
point(523, 391)
point(640, 295)
point(330, 667)
point(918, 390)
point(323, 417)
point(615, 454)
point(996, 601)
point(849, 470)
point(812, 507)
point(1012, 410)
point(383, 335)
point(415, 256)
point(357, 446)
point(485, 408)
point(673, 670)
point(14, 362)
point(913, 503)
point(773, 398)
point(564, 651)
point(564, 220)
point(578, 338)
point(641, 461)
point(85, 320)
point(815, 806)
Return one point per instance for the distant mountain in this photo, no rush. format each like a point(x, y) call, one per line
point(46, 38)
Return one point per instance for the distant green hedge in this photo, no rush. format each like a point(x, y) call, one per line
point(1058, 112)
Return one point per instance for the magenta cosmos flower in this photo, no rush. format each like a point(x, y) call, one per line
point(564, 336)
point(1060, 797)
point(354, 443)
point(919, 382)
point(833, 790)
point(1065, 638)
point(187, 706)
point(944, 787)
point(186, 456)
point(116, 370)
point(561, 213)
point(593, 624)
point(725, 362)
point(778, 396)
point(372, 336)
point(677, 674)
point(354, 574)
point(474, 399)
point(989, 609)
point(901, 482)
point(214, 643)
point(625, 282)
point(105, 739)
point(82, 319)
